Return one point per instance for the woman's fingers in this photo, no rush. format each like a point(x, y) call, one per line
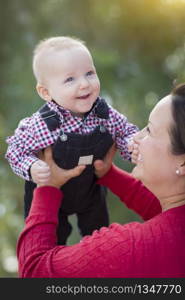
point(110, 154)
point(74, 172)
point(98, 164)
point(48, 157)
point(45, 156)
point(56, 176)
point(102, 166)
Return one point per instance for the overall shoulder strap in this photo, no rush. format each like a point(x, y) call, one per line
point(50, 117)
point(102, 109)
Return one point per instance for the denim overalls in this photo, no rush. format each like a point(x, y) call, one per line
point(82, 196)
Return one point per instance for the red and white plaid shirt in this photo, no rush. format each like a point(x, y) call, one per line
point(32, 135)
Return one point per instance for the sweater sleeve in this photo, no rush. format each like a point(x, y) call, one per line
point(39, 234)
point(98, 255)
point(132, 192)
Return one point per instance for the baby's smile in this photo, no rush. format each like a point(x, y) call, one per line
point(84, 96)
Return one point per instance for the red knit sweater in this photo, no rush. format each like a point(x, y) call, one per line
point(155, 248)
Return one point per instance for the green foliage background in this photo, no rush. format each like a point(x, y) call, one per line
point(138, 48)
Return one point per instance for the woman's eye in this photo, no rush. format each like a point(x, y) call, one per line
point(89, 73)
point(69, 79)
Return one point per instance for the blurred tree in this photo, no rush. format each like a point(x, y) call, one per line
point(138, 48)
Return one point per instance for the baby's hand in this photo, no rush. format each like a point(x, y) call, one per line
point(40, 172)
point(133, 148)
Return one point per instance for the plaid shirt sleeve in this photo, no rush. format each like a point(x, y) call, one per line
point(22, 148)
point(122, 131)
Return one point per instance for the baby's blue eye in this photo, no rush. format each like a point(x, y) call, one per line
point(69, 79)
point(89, 73)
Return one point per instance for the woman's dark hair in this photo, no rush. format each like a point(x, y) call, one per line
point(177, 132)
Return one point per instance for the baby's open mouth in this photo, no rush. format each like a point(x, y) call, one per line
point(84, 96)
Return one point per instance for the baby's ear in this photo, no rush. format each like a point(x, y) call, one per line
point(43, 92)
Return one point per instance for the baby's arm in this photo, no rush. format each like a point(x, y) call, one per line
point(122, 131)
point(22, 151)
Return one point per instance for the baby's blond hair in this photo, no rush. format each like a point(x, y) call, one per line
point(45, 47)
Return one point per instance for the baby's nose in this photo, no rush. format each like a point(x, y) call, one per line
point(84, 83)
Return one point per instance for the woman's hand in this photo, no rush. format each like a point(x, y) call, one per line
point(103, 166)
point(58, 176)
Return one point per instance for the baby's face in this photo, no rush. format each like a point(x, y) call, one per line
point(72, 81)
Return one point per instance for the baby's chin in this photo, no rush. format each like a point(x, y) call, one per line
point(86, 109)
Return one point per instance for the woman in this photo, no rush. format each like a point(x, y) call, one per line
point(155, 248)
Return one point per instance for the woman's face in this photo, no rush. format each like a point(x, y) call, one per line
point(155, 163)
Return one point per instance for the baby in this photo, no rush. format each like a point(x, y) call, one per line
point(78, 124)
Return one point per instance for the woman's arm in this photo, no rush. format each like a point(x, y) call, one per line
point(132, 192)
point(39, 234)
point(106, 253)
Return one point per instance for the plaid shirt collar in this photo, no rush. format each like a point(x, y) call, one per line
point(67, 113)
